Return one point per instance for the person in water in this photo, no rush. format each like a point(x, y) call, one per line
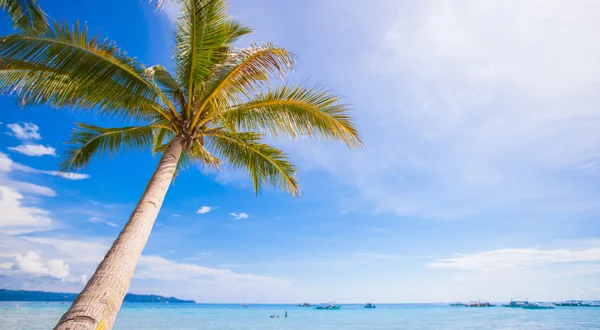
point(285, 314)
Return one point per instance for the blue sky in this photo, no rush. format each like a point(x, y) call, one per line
point(479, 179)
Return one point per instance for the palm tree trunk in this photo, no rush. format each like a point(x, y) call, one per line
point(96, 307)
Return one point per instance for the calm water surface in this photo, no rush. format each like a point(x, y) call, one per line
point(34, 316)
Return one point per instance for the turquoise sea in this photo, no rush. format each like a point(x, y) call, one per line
point(34, 316)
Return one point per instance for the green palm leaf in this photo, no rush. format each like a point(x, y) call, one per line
point(204, 33)
point(294, 111)
point(88, 141)
point(26, 14)
point(66, 67)
point(167, 84)
point(264, 163)
point(244, 73)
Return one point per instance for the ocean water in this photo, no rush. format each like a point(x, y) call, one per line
point(34, 316)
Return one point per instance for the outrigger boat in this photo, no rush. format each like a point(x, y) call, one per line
point(572, 303)
point(538, 306)
point(517, 303)
point(328, 306)
point(370, 305)
point(458, 304)
point(480, 303)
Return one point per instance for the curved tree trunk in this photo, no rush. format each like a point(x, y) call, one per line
point(96, 307)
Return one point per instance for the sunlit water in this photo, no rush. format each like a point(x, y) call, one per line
point(32, 316)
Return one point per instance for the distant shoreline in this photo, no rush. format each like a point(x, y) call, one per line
point(26, 295)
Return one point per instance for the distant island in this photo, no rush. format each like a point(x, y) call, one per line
point(25, 295)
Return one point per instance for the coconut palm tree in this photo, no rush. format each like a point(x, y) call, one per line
point(216, 108)
point(25, 14)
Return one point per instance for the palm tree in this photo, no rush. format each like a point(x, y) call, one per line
point(26, 14)
point(216, 108)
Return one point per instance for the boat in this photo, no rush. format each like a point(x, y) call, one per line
point(480, 303)
point(458, 304)
point(328, 306)
point(517, 303)
point(572, 303)
point(304, 305)
point(538, 306)
point(370, 305)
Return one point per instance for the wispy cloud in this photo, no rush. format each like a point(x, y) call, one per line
point(67, 175)
point(204, 210)
point(516, 258)
point(155, 267)
point(34, 150)
point(24, 131)
point(589, 288)
point(26, 187)
point(483, 127)
point(6, 165)
point(239, 216)
point(100, 220)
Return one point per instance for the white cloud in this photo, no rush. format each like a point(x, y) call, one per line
point(16, 218)
point(87, 251)
point(26, 131)
point(478, 107)
point(176, 215)
point(26, 187)
point(68, 175)
point(239, 216)
point(34, 150)
point(154, 274)
point(516, 258)
point(204, 210)
point(589, 288)
point(155, 267)
point(7, 165)
point(100, 220)
point(32, 264)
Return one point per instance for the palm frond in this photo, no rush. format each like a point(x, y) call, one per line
point(264, 163)
point(64, 66)
point(88, 141)
point(245, 73)
point(167, 84)
point(198, 152)
point(296, 111)
point(204, 34)
point(26, 14)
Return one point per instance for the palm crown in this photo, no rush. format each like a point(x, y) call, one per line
point(217, 102)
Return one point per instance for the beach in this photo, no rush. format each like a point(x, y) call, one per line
point(147, 316)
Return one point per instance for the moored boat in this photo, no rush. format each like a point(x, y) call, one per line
point(538, 306)
point(572, 303)
point(328, 306)
point(458, 304)
point(304, 305)
point(517, 303)
point(480, 303)
point(370, 305)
